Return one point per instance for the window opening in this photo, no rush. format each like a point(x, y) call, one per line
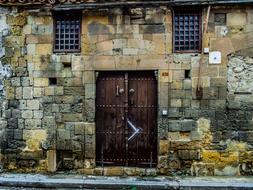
point(67, 30)
point(187, 30)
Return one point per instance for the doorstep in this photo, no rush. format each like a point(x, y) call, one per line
point(137, 183)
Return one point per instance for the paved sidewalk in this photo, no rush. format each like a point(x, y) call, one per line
point(60, 181)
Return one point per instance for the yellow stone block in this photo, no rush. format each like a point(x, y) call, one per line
point(163, 147)
point(10, 93)
point(43, 49)
point(51, 160)
point(113, 171)
point(49, 91)
point(34, 139)
point(41, 82)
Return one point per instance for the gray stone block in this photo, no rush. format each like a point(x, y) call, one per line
point(152, 29)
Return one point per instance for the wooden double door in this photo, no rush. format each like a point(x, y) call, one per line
point(126, 119)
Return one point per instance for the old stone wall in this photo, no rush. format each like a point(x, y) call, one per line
point(5, 72)
point(49, 114)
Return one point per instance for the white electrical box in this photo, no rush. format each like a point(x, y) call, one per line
point(164, 112)
point(214, 57)
point(206, 50)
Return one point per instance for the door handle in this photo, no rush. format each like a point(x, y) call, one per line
point(131, 91)
point(117, 90)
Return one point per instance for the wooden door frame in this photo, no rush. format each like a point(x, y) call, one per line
point(126, 72)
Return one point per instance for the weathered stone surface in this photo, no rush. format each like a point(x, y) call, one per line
point(47, 99)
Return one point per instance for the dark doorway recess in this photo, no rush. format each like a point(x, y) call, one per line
point(126, 119)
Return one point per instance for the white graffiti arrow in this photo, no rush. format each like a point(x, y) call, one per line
point(136, 130)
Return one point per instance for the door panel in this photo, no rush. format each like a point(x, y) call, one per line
point(110, 130)
point(142, 112)
point(126, 124)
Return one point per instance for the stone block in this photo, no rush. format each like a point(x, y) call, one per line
point(41, 82)
point(173, 136)
point(27, 92)
point(49, 91)
point(187, 83)
point(49, 122)
point(78, 63)
point(101, 62)
point(113, 171)
point(176, 103)
point(89, 91)
point(177, 94)
point(202, 169)
point(104, 46)
point(235, 19)
point(15, 41)
point(63, 134)
point(89, 110)
point(188, 125)
point(27, 114)
point(189, 154)
point(30, 49)
point(151, 29)
point(163, 147)
point(37, 114)
point(38, 92)
point(89, 150)
point(74, 117)
point(18, 134)
point(88, 77)
point(42, 29)
point(32, 123)
point(19, 93)
point(219, 82)
point(217, 104)
point(27, 29)
point(41, 39)
point(15, 81)
point(12, 123)
point(89, 128)
point(33, 104)
point(43, 49)
point(10, 93)
point(65, 108)
point(74, 91)
point(174, 112)
point(79, 128)
point(59, 90)
point(130, 51)
point(16, 20)
point(51, 160)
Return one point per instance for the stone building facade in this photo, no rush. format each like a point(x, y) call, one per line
point(205, 101)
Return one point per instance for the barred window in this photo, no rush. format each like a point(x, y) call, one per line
point(187, 30)
point(67, 31)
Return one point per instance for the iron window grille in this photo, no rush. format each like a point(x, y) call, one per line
point(67, 32)
point(187, 30)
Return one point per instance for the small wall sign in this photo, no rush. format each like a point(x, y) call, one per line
point(215, 57)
